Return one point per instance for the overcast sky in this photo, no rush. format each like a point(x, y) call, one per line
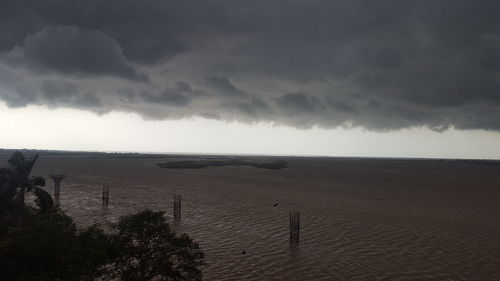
point(353, 77)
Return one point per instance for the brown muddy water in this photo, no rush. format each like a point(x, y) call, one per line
point(360, 219)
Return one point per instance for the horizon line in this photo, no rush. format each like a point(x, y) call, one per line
point(243, 154)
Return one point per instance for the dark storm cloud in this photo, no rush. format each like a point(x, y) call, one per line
point(342, 106)
point(222, 86)
point(180, 94)
point(65, 93)
point(252, 107)
point(298, 103)
point(70, 50)
point(167, 98)
point(381, 65)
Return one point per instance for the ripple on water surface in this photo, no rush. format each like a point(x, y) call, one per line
point(382, 226)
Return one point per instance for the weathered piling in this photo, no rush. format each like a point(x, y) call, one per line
point(57, 186)
point(105, 196)
point(177, 208)
point(294, 227)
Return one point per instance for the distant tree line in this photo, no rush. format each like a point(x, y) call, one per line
point(204, 163)
point(42, 243)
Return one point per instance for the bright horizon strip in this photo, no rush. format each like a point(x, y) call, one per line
point(37, 127)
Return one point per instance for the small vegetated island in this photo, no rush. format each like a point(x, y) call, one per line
point(204, 162)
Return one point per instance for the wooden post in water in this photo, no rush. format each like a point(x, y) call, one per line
point(57, 187)
point(294, 227)
point(105, 196)
point(177, 208)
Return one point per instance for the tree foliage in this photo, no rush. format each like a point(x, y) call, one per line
point(147, 249)
point(46, 244)
point(7, 197)
point(15, 181)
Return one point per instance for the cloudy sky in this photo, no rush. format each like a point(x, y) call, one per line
point(351, 78)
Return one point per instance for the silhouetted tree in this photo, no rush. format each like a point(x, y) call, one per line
point(47, 246)
point(7, 198)
point(148, 250)
point(15, 181)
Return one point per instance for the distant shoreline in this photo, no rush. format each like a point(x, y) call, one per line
point(145, 155)
point(202, 162)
